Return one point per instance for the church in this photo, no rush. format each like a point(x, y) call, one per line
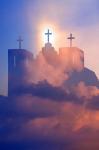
point(69, 60)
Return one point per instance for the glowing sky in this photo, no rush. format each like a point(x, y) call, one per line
point(29, 18)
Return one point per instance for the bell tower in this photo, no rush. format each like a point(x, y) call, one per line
point(18, 62)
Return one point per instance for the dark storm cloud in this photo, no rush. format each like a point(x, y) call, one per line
point(44, 90)
point(94, 104)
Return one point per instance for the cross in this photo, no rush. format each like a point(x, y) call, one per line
point(48, 35)
point(71, 38)
point(20, 40)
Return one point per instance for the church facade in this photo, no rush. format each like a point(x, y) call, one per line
point(68, 59)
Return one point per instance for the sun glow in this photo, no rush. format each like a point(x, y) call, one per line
point(51, 35)
point(56, 39)
point(43, 28)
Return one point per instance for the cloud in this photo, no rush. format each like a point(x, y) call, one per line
point(60, 125)
point(42, 70)
point(44, 109)
point(86, 91)
point(36, 120)
point(47, 111)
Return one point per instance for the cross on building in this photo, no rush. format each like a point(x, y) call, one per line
point(71, 38)
point(20, 40)
point(48, 35)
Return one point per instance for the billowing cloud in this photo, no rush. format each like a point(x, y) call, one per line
point(35, 120)
point(86, 91)
point(41, 70)
point(49, 109)
point(45, 109)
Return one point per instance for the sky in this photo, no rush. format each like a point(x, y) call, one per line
point(28, 19)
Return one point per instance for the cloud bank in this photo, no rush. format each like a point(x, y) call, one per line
point(50, 120)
